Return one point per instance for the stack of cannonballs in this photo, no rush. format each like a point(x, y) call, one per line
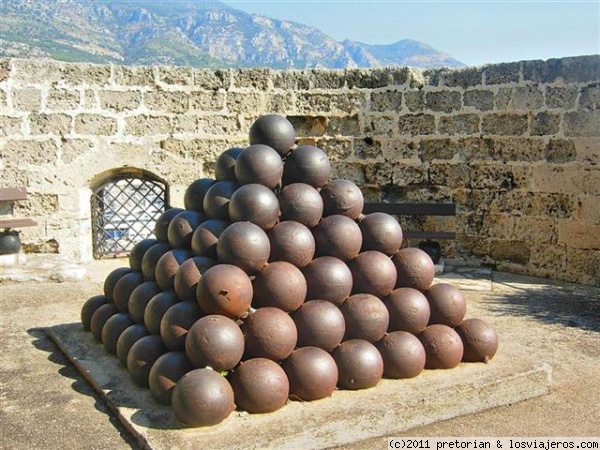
point(272, 285)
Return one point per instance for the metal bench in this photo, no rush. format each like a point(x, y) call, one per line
point(14, 195)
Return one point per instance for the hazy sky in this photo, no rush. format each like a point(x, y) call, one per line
point(474, 32)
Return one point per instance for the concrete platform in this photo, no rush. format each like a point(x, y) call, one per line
point(346, 417)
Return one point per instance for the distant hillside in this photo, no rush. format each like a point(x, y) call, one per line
point(197, 33)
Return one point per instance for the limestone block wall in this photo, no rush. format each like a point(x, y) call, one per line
point(516, 146)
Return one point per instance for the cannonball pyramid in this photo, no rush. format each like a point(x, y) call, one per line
point(272, 286)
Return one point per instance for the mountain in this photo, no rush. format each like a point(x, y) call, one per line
point(198, 33)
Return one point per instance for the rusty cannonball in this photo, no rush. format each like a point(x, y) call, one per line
point(150, 259)
point(123, 289)
point(409, 310)
point(479, 339)
point(342, 197)
point(259, 164)
point(99, 318)
point(312, 373)
point(112, 329)
point(259, 386)
point(366, 317)
point(302, 203)
point(281, 285)
point(414, 267)
point(141, 357)
point(443, 347)
point(215, 341)
point(202, 397)
point(89, 308)
point(448, 305)
point(381, 232)
point(162, 224)
point(193, 198)
point(275, 131)
point(328, 278)
point(360, 366)
point(269, 333)
point(225, 164)
point(165, 373)
point(216, 200)
point(168, 265)
point(206, 236)
point(225, 289)
point(182, 226)
point(307, 164)
point(320, 324)
point(137, 253)
point(373, 272)
point(176, 322)
point(244, 245)
point(111, 279)
point(292, 242)
point(254, 203)
point(188, 275)
point(338, 236)
point(403, 355)
point(139, 298)
point(127, 338)
point(156, 309)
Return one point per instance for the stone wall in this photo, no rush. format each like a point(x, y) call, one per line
point(515, 145)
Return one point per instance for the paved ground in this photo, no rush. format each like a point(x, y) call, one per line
point(46, 404)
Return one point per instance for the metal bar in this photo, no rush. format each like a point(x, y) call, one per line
point(17, 223)
point(13, 194)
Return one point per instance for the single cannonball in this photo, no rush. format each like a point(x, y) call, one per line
point(360, 366)
point(99, 318)
point(139, 299)
point(165, 373)
point(254, 203)
point(259, 164)
point(111, 280)
point(443, 347)
point(403, 355)
point(292, 242)
point(338, 236)
point(260, 386)
point(320, 324)
point(307, 164)
point(381, 232)
point(275, 131)
point(244, 245)
point(281, 285)
point(138, 251)
point(448, 305)
point(206, 236)
point(141, 357)
point(225, 164)
point(124, 288)
point(181, 228)
point(193, 198)
point(414, 267)
point(176, 322)
point(112, 329)
point(479, 339)
point(202, 397)
point(312, 373)
point(216, 200)
point(374, 273)
point(342, 197)
point(366, 317)
point(269, 333)
point(409, 310)
point(127, 338)
point(328, 278)
point(156, 309)
point(215, 341)
point(89, 308)
point(225, 289)
point(162, 224)
point(150, 259)
point(302, 203)
point(188, 275)
point(168, 265)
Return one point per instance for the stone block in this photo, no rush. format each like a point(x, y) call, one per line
point(379, 174)
point(59, 99)
point(561, 97)
point(591, 180)
point(512, 251)
point(416, 124)
point(444, 101)
point(501, 73)
point(475, 149)
point(212, 80)
point(545, 123)
point(394, 149)
point(120, 101)
point(71, 149)
point(4, 69)
point(347, 126)
point(579, 235)
point(480, 99)
point(590, 97)
point(588, 150)
point(498, 226)
point(167, 101)
point(147, 125)
point(82, 74)
point(294, 80)
point(504, 124)
point(29, 152)
point(436, 148)
point(569, 70)
point(280, 103)
point(560, 151)
point(538, 230)
point(258, 78)
point(309, 125)
point(52, 124)
point(367, 149)
point(348, 171)
point(381, 77)
point(555, 178)
point(495, 175)
point(503, 98)
point(409, 173)
point(328, 103)
point(326, 79)
point(207, 101)
point(94, 124)
point(463, 77)
point(3, 100)
point(134, 76)
point(459, 124)
point(415, 100)
point(583, 266)
point(527, 97)
point(518, 149)
point(244, 102)
point(582, 123)
point(337, 149)
point(27, 99)
point(548, 259)
point(380, 124)
point(32, 71)
point(588, 208)
point(451, 174)
point(10, 126)
point(553, 205)
point(389, 100)
point(174, 76)
point(225, 125)
point(37, 204)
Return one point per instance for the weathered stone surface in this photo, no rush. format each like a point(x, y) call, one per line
point(176, 76)
point(399, 149)
point(166, 101)
point(561, 97)
point(459, 124)
point(590, 97)
point(588, 150)
point(416, 124)
point(464, 77)
point(545, 123)
point(280, 103)
point(50, 124)
point(408, 173)
point(451, 174)
point(431, 149)
point(244, 102)
point(348, 125)
point(380, 124)
point(579, 235)
point(503, 98)
point(252, 78)
point(95, 124)
point(527, 97)
point(390, 100)
point(588, 208)
point(36, 152)
point(480, 99)
point(445, 101)
point(27, 99)
point(4, 69)
point(290, 79)
point(513, 251)
point(212, 80)
point(207, 101)
point(71, 149)
point(145, 125)
point(322, 103)
point(555, 178)
point(591, 180)
point(560, 151)
point(63, 99)
point(568, 70)
point(582, 123)
point(367, 149)
point(502, 73)
point(415, 100)
point(336, 149)
point(504, 124)
point(120, 100)
point(518, 149)
point(134, 76)
point(10, 126)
